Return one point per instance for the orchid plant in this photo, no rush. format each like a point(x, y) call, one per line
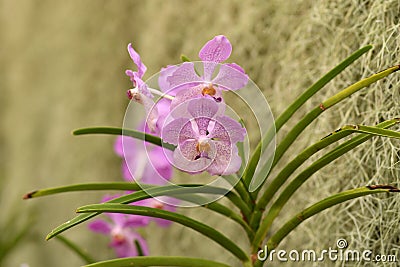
point(187, 128)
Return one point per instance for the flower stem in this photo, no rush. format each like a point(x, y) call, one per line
point(164, 95)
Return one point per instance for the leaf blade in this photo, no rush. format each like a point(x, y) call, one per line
point(126, 132)
point(200, 227)
point(291, 109)
point(158, 261)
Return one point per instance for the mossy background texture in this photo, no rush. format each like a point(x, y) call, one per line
point(62, 67)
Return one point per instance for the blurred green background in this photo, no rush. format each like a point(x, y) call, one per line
point(62, 67)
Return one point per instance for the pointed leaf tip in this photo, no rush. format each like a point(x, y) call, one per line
point(29, 195)
point(383, 186)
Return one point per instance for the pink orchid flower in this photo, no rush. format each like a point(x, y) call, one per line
point(140, 92)
point(149, 167)
point(185, 83)
point(120, 228)
point(205, 141)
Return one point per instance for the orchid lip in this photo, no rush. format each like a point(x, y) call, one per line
point(134, 94)
point(129, 94)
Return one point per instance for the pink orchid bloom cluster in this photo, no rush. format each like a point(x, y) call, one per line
point(189, 115)
point(205, 138)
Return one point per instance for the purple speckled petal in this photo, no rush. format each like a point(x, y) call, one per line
point(214, 51)
point(162, 79)
point(184, 158)
point(227, 160)
point(202, 125)
point(177, 130)
point(228, 130)
point(231, 77)
point(180, 104)
point(136, 59)
point(184, 77)
point(203, 107)
point(181, 97)
point(100, 226)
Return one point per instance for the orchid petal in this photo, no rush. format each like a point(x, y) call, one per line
point(132, 76)
point(118, 148)
point(214, 51)
point(125, 249)
point(163, 107)
point(190, 166)
point(100, 226)
point(202, 125)
point(136, 59)
point(136, 221)
point(143, 244)
point(203, 107)
point(129, 249)
point(126, 173)
point(158, 169)
point(231, 77)
point(184, 76)
point(177, 108)
point(185, 158)
point(176, 130)
point(227, 160)
point(160, 162)
point(228, 130)
point(162, 79)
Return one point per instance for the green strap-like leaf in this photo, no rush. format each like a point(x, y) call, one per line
point(76, 249)
point(322, 205)
point(311, 116)
point(140, 195)
point(127, 132)
point(291, 109)
point(299, 127)
point(221, 209)
point(158, 261)
point(285, 173)
point(171, 216)
point(83, 187)
point(303, 176)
